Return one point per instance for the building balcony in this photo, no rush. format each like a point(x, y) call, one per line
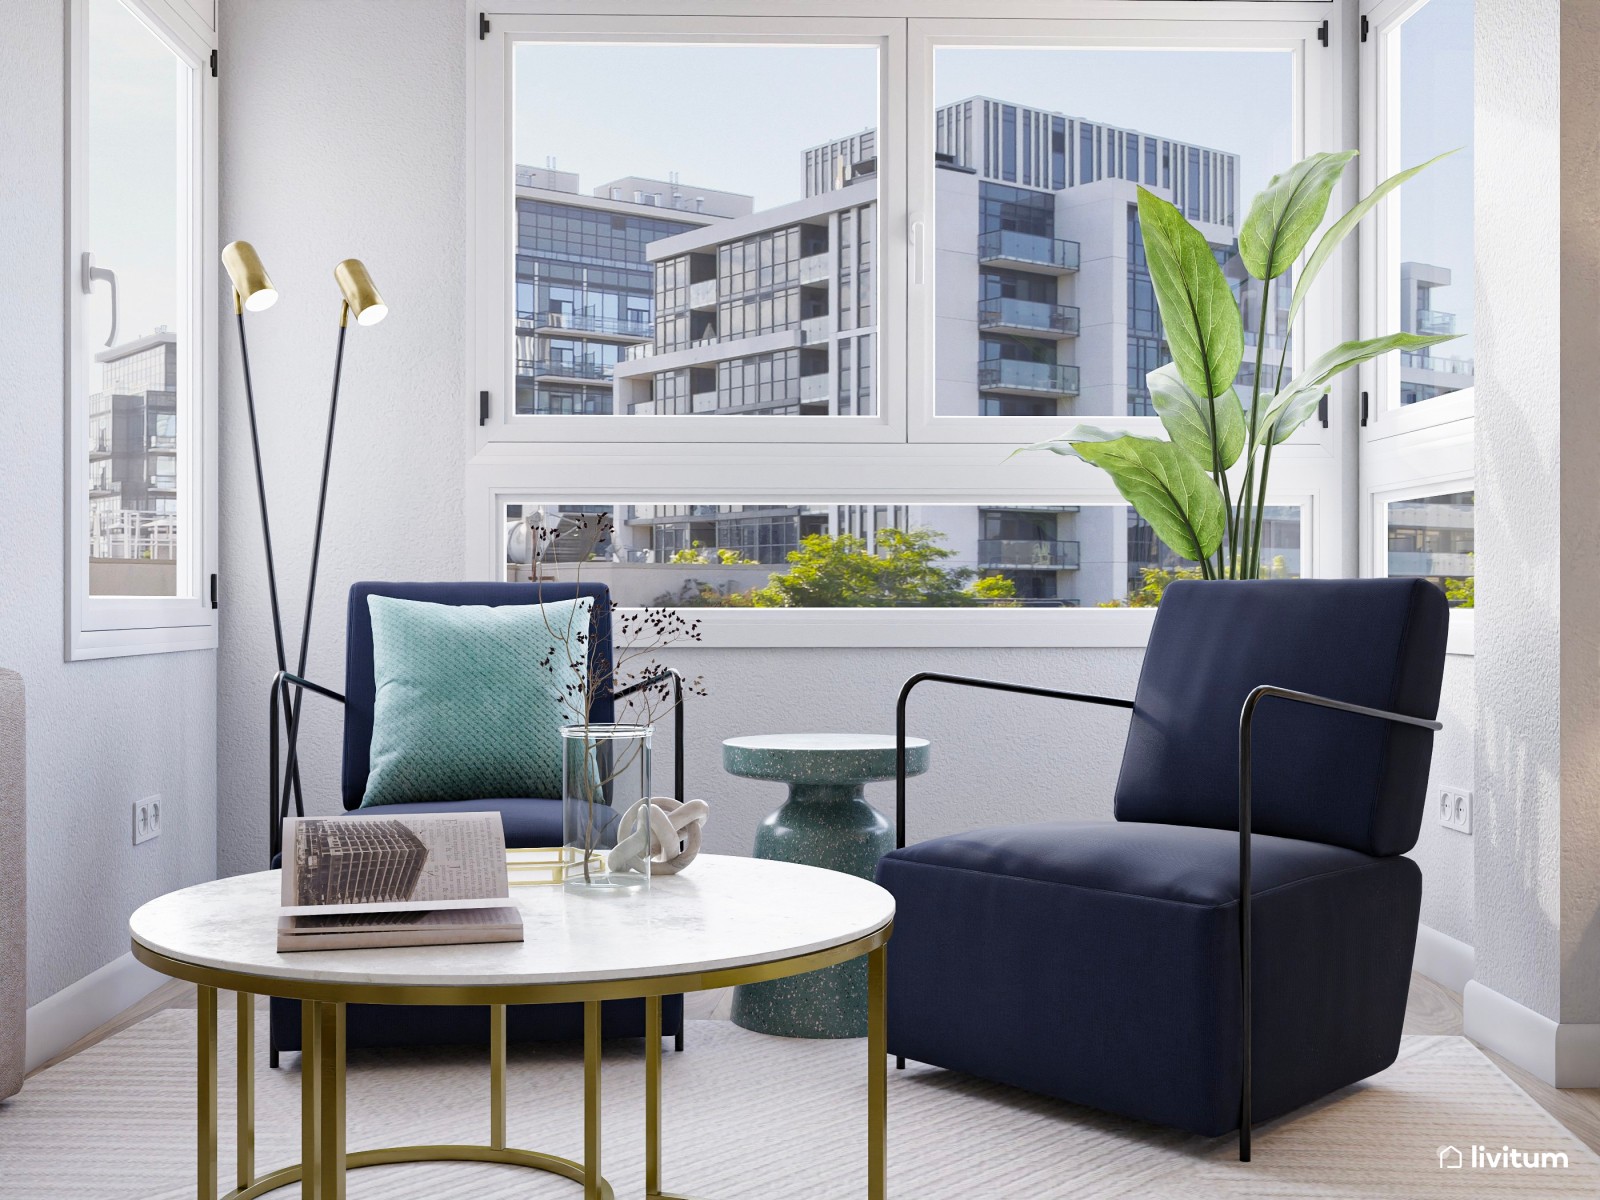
point(580, 370)
point(99, 450)
point(703, 402)
point(1421, 563)
point(1415, 360)
point(1027, 554)
point(1029, 318)
point(162, 483)
point(816, 268)
point(815, 387)
point(1018, 378)
point(612, 328)
point(1027, 252)
point(814, 330)
point(1431, 320)
point(703, 295)
point(158, 441)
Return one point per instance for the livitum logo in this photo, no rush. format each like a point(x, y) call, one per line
point(1486, 1158)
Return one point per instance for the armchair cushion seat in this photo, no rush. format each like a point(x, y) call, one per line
point(1099, 962)
point(528, 821)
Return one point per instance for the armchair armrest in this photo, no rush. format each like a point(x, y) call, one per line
point(278, 787)
point(1246, 717)
point(992, 685)
point(677, 720)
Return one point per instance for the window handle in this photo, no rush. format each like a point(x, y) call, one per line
point(916, 253)
point(89, 273)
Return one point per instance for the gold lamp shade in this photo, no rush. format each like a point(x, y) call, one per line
point(360, 294)
point(251, 287)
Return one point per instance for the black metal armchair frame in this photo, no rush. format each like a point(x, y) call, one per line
point(1246, 718)
point(284, 761)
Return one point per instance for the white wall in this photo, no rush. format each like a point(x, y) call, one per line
point(100, 734)
point(376, 154)
point(336, 143)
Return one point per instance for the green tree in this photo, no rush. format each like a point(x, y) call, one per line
point(907, 571)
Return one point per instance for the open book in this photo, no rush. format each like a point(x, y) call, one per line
point(407, 880)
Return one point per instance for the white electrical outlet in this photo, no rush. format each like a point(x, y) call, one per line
point(146, 819)
point(1455, 809)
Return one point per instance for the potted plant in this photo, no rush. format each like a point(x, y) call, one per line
point(1203, 488)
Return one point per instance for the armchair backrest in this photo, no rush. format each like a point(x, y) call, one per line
point(360, 685)
point(1319, 774)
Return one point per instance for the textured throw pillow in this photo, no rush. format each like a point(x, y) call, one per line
point(467, 705)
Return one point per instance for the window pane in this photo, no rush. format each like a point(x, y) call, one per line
point(1043, 300)
point(1431, 537)
point(861, 555)
point(700, 238)
point(1435, 267)
point(137, 134)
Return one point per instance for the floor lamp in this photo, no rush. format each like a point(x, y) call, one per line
point(253, 291)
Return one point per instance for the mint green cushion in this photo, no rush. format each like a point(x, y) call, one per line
point(468, 698)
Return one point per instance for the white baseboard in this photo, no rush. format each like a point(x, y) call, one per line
point(1443, 959)
point(1564, 1055)
point(58, 1021)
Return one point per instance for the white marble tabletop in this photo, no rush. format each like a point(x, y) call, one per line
point(721, 912)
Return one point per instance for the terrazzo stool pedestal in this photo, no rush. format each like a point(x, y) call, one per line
point(826, 822)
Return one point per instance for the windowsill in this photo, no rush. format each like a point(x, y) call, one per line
point(952, 629)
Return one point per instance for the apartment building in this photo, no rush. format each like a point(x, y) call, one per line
point(585, 291)
point(133, 468)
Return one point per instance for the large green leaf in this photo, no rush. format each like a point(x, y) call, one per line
point(1162, 482)
point(1288, 410)
point(1341, 228)
point(1284, 216)
point(1198, 311)
point(1187, 419)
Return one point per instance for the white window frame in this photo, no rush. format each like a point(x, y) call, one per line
point(113, 626)
point(600, 460)
point(1421, 449)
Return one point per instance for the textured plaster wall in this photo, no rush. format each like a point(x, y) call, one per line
point(1445, 856)
point(328, 154)
point(100, 734)
point(1518, 488)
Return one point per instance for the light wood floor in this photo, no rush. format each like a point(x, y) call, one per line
point(1430, 1008)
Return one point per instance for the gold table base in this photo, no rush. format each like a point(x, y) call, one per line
point(324, 1160)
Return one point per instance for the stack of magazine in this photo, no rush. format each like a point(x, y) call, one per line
point(358, 882)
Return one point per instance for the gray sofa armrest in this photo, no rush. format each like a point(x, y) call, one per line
point(13, 886)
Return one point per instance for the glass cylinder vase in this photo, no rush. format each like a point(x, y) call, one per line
point(605, 789)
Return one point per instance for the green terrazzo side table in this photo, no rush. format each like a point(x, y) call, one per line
point(826, 822)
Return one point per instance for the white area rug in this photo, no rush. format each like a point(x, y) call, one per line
point(749, 1116)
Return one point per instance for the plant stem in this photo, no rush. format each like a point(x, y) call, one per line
point(1255, 551)
point(1243, 522)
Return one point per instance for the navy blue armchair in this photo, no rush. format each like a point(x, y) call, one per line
point(1238, 941)
point(528, 820)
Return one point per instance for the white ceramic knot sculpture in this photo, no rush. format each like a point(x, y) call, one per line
point(664, 830)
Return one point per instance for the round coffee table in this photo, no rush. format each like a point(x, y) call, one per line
point(826, 822)
point(725, 921)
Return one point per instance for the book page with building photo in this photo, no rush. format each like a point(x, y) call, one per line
point(395, 881)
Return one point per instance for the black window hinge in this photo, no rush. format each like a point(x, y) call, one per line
point(1322, 33)
point(483, 26)
point(213, 64)
point(483, 408)
point(1363, 410)
point(1322, 410)
point(1366, 26)
point(213, 591)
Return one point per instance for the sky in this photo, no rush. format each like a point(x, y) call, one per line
point(133, 174)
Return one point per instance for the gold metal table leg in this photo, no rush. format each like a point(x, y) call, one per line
point(652, 1097)
point(592, 1181)
point(206, 1076)
point(330, 1083)
point(310, 1102)
point(497, 1076)
point(245, 1090)
point(877, 1074)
